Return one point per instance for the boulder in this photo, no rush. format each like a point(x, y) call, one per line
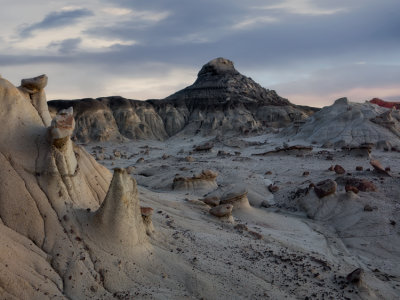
point(222, 211)
point(355, 276)
point(378, 167)
point(325, 188)
point(361, 184)
point(339, 169)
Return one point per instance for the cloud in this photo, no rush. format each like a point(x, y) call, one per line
point(56, 19)
point(283, 45)
point(66, 46)
point(358, 82)
point(302, 7)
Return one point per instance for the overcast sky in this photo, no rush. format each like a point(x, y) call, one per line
point(310, 51)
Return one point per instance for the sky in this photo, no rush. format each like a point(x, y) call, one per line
point(310, 51)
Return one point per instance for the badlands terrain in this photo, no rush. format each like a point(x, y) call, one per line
point(223, 190)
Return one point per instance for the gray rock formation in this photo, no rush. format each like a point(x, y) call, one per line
point(349, 124)
point(221, 100)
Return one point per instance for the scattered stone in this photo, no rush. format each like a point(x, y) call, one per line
point(223, 210)
point(293, 150)
point(355, 276)
point(268, 173)
point(392, 222)
point(189, 159)
point(339, 169)
point(360, 183)
point(140, 160)
point(165, 156)
point(306, 173)
point(223, 153)
point(204, 147)
point(325, 188)
point(350, 188)
point(241, 228)
point(367, 207)
point(359, 168)
point(273, 188)
point(255, 235)
point(331, 168)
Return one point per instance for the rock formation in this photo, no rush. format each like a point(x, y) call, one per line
point(221, 100)
point(386, 104)
point(48, 188)
point(349, 124)
point(200, 183)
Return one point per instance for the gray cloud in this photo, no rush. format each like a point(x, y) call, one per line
point(280, 42)
point(67, 46)
point(56, 19)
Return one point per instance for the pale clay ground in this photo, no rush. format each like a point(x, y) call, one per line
point(297, 257)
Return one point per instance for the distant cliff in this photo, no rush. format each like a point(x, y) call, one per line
point(221, 100)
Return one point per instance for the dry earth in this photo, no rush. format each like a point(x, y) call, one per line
point(272, 250)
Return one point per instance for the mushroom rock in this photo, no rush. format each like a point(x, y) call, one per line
point(118, 224)
point(200, 183)
point(61, 129)
point(147, 212)
point(237, 197)
point(33, 89)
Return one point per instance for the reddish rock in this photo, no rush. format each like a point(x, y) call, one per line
point(386, 104)
point(273, 188)
point(325, 188)
point(361, 184)
point(378, 167)
point(339, 169)
point(146, 211)
point(350, 188)
point(331, 168)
